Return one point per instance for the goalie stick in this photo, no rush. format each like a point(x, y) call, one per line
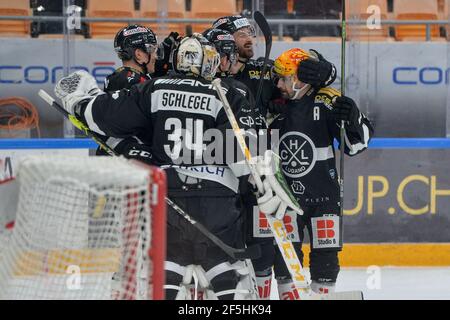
point(277, 226)
point(252, 252)
point(278, 229)
point(267, 32)
point(342, 129)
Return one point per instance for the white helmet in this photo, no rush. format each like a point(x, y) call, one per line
point(197, 56)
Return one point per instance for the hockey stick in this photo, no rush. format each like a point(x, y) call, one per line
point(265, 28)
point(277, 226)
point(278, 229)
point(251, 252)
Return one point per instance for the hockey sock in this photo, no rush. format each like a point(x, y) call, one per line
point(286, 290)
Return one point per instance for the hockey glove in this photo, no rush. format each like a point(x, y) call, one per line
point(277, 197)
point(166, 47)
point(75, 88)
point(169, 44)
point(318, 73)
point(345, 109)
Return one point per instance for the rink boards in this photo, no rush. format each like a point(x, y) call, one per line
point(397, 198)
point(401, 86)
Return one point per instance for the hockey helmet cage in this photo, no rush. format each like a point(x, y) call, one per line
point(224, 43)
point(233, 24)
point(197, 56)
point(134, 37)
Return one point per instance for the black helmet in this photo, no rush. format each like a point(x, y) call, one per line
point(233, 23)
point(134, 37)
point(224, 43)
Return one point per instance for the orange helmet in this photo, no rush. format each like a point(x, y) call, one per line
point(287, 63)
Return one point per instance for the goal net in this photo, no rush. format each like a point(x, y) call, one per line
point(86, 228)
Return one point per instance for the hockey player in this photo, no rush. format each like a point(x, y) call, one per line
point(317, 73)
point(307, 128)
point(137, 48)
point(142, 57)
point(226, 46)
point(180, 117)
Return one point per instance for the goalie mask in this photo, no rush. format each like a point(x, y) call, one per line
point(197, 56)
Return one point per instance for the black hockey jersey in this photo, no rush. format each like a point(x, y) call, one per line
point(305, 134)
point(254, 118)
point(122, 78)
point(180, 117)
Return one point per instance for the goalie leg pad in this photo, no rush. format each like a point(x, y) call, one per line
point(235, 281)
point(280, 269)
point(194, 284)
point(174, 277)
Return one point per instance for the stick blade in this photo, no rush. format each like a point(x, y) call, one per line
point(264, 26)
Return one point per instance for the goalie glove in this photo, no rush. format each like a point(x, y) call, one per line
point(277, 196)
point(77, 87)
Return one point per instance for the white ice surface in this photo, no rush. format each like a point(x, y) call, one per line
point(393, 283)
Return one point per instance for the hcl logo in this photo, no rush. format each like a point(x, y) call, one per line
point(39, 74)
point(416, 75)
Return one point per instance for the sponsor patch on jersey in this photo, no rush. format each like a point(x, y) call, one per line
point(325, 232)
point(298, 187)
point(326, 97)
point(298, 154)
point(256, 74)
point(186, 82)
point(261, 227)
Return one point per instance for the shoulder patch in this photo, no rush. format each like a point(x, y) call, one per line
point(325, 97)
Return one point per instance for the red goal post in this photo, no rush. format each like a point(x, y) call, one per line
point(86, 228)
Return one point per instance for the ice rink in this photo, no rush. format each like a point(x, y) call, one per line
point(394, 283)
